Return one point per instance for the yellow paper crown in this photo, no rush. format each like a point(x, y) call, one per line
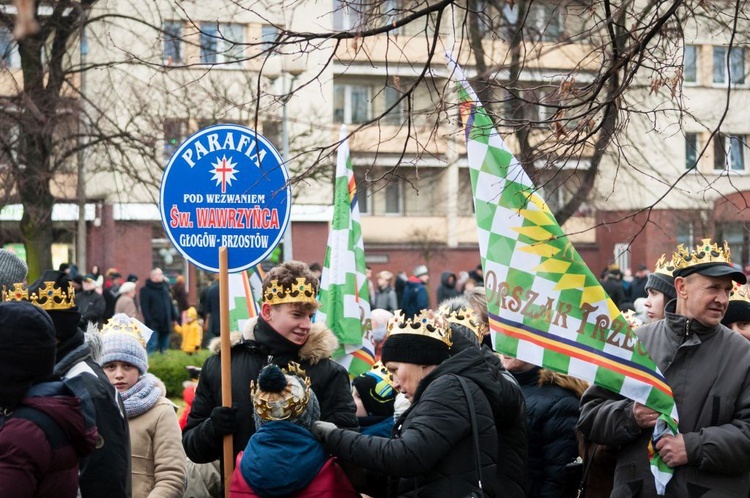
point(115, 326)
point(664, 266)
point(426, 323)
point(705, 252)
point(48, 297)
point(740, 293)
point(466, 317)
point(286, 404)
point(300, 292)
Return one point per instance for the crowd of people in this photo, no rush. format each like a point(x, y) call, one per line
point(440, 414)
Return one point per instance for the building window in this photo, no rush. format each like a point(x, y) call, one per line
point(351, 104)
point(691, 150)
point(690, 71)
point(172, 42)
point(394, 116)
point(268, 37)
point(736, 58)
point(348, 15)
point(222, 43)
point(9, 56)
point(390, 10)
point(685, 235)
point(174, 134)
point(545, 21)
point(393, 204)
point(729, 152)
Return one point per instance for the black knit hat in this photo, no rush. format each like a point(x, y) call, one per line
point(28, 353)
point(424, 339)
point(737, 311)
point(662, 283)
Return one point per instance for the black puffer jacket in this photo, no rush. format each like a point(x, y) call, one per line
point(259, 346)
point(157, 308)
point(552, 406)
point(432, 451)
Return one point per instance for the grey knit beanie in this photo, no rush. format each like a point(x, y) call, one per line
point(13, 270)
point(662, 283)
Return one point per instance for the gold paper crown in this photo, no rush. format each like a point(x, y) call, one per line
point(48, 297)
point(740, 293)
point(116, 326)
point(466, 317)
point(288, 403)
point(664, 266)
point(705, 252)
point(301, 292)
point(426, 323)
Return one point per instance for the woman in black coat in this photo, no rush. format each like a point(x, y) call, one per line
point(432, 451)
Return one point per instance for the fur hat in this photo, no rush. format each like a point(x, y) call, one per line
point(28, 353)
point(284, 396)
point(662, 283)
point(12, 269)
point(375, 389)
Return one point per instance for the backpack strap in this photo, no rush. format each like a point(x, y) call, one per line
point(54, 434)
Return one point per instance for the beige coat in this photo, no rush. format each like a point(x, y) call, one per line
point(158, 460)
point(126, 304)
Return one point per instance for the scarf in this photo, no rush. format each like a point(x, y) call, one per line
point(142, 396)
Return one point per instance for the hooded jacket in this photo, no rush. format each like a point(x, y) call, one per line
point(447, 288)
point(415, 297)
point(255, 348)
point(552, 409)
point(33, 466)
point(708, 369)
point(432, 450)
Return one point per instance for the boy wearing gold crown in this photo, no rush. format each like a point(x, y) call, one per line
point(707, 366)
point(283, 333)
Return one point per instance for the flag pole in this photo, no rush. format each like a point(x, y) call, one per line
point(226, 361)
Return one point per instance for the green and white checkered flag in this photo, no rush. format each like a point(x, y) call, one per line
point(344, 296)
point(544, 304)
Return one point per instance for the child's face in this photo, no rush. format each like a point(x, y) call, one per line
point(291, 321)
point(121, 374)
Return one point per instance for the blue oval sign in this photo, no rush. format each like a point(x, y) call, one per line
point(225, 186)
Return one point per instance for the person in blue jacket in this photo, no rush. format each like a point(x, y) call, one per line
point(374, 396)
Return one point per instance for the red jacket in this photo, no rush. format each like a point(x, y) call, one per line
point(29, 465)
point(331, 482)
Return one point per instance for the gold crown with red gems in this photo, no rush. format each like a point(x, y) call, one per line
point(664, 266)
point(466, 317)
point(48, 297)
point(300, 292)
point(739, 292)
point(426, 323)
point(286, 404)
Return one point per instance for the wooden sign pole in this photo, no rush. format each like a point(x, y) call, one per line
point(226, 361)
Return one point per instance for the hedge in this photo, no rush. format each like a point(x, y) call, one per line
point(170, 368)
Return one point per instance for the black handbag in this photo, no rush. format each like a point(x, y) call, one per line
point(475, 436)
